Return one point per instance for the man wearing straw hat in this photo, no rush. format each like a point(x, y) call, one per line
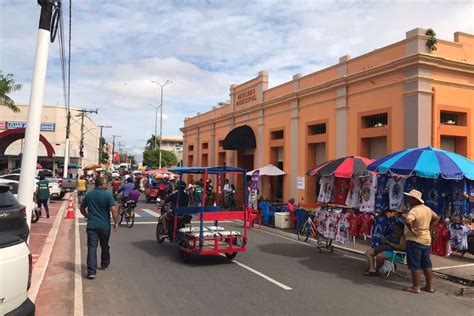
point(420, 220)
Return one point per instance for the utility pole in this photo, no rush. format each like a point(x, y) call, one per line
point(162, 85)
point(120, 151)
point(113, 147)
point(81, 146)
point(156, 123)
point(100, 141)
point(32, 133)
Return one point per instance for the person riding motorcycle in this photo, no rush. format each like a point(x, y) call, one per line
point(179, 197)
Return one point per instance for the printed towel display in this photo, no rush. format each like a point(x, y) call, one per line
point(341, 189)
point(395, 192)
point(381, 195)
point(459, 233)
point(326, 185)
point(367, 193)
point(440, 242)
point(353, 195)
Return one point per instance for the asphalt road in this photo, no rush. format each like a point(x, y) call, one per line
point(147, 278)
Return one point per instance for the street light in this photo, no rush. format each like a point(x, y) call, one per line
point(162, 85)
point(156, 120)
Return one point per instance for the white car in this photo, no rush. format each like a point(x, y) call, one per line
point(55, 188)
point(115, 174)
point(14, 190)
point(16, 265)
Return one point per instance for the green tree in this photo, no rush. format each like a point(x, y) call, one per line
point(104, 155)
point(151, 158)
point(8, 85)
point(131, 158)
point(150, 143)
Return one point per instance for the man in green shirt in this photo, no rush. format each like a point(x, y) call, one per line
point(42, 194)
point(96, 207)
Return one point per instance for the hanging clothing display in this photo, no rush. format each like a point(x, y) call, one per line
point(379, 229)
point(395, 192)
point(367, 222)
point(353, 195)
point(341, 189)
point(470, 199)
point(433, 193)
point(440, 240)
point(326, 185)
point(367, 193)
point(456, 198)
point(342, 235)
point(355, 224)
point(381, 194)
point(459, 233)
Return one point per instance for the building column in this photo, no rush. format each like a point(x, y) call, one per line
point(212, 145)
point(341, 111)
point(260, 152)
point(197, 158)
point(232, 125)
point(417, 107)
point(294, 152)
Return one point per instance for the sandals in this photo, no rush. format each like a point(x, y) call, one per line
point(371, 274)
point(411, 290)
point(427, 289)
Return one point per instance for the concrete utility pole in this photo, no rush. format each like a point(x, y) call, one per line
point(120, 151)
point(30, 154)
point(81, 146)
point(100, 141)
point(162, 85)
point(113, 147)
point(156, 122)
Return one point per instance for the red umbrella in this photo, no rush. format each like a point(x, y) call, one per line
point(344, 167)
point(39, 166)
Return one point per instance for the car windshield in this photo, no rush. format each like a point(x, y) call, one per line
point(7, 199)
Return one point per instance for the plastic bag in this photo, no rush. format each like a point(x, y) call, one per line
point(387, 266)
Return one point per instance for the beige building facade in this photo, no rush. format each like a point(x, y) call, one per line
point(53, 135)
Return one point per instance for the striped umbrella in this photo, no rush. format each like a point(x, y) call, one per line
point(426, 162)
point(344, 167)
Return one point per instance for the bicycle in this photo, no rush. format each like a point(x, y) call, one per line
point(308, 228)
point(127, 211)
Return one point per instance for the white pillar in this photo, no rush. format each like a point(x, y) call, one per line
point(30, 152)
point(66, 158)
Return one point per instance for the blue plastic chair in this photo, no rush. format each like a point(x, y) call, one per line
point(301, 217)
point(266, 210)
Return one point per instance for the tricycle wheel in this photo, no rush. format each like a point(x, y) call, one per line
point(183, 255)
point(160, 231)
point(231, 255)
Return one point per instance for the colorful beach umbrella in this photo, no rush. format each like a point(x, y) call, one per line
point(345, 167)
point(426, 162)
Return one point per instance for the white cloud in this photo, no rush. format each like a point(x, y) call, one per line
point(203, 47)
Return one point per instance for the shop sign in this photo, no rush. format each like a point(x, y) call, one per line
point(300, 183)
point(246, 97)
point(3, 125)
point(45, 127)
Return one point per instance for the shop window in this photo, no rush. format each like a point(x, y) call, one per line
point(377, 120)
point(277, 134)
point(221, 143)
point(190, 160)
point(456, 144)
point(205, 145)
point(221, 159)
point(317, 129)
point(190, 147)
point(453, 118)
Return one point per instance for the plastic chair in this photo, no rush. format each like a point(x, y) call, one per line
point(253, 215)
point(266, 210)
point(403, 256)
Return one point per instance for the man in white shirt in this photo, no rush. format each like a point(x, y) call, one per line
point(227, 192)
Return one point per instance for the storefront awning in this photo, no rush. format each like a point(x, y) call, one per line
point(241, 137)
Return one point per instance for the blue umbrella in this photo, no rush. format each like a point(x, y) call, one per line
point(426, 162)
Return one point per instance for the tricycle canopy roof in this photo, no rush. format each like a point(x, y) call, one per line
point(210, 170)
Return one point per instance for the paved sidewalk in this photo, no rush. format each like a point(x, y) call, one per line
point(455, 267)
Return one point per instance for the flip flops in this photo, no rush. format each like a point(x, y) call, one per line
point(427, 289)
point(411, 290)
point(371, 274)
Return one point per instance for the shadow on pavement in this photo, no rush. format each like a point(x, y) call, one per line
point(332, 263)
point(169, 252)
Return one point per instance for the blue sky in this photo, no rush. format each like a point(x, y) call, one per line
point(203, 47)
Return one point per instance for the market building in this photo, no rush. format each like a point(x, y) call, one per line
point(52, 138)
point(400, 96)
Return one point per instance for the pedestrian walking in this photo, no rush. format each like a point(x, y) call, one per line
point(42, 194)
point(81, 188)
point(96, 208)
point(419, 223)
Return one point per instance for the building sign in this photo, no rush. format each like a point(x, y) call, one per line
point(246, 97)
point(45, 127)
point(300, 183)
